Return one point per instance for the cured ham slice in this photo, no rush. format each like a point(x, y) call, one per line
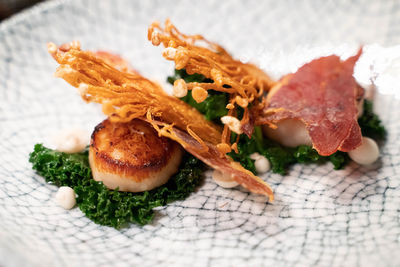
point(322, 94)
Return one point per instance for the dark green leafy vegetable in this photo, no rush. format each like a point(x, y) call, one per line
point(189, 78)
point(111, 207)
point(370, 123)
point(280, 157)
point(339, 159)
point(213, 107)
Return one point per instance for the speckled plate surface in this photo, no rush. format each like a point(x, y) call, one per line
point(320, 217)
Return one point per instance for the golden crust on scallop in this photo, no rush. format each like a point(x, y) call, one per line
point(131, 156)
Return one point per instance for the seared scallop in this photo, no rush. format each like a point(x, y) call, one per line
point(131, 156)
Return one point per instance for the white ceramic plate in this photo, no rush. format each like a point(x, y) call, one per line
point(320, 217)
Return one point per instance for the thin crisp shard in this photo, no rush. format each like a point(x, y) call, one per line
point(323, 94)
point(126, 96)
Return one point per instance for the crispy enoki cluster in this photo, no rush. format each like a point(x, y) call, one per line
point(245, 83)
point(126, 95)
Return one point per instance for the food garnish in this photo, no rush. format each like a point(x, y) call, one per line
point(217, 111)
point(127, 96)
point(244, 83)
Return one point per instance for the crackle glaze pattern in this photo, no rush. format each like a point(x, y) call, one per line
point(320, 217)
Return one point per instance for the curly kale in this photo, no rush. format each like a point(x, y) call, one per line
point(370, 123)
point(111, 207)
point(279, 156)
point(189, 78)
point(213, 107)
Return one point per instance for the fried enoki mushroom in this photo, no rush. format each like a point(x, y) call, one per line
point(127, 95)
point(245, 83)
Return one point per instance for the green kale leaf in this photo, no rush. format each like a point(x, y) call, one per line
point(279, 156)
point(189, 78)
point(111, 207)
point(213, 107)
point(370, 123)
point(339, 159)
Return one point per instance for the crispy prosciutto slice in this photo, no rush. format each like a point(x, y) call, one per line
point(322, 94)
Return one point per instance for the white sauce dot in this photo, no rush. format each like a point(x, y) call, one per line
point(367, 153)
point(290, 132)
point(224, 180)
point(262, 164)
point(65, 197)
point(72, 141)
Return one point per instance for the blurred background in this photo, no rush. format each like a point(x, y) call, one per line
point(10, 7)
